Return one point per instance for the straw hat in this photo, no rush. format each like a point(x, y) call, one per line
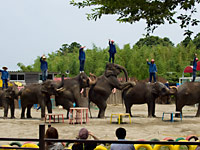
point(4, 67)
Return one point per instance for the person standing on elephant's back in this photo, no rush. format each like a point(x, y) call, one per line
point(4, 77)
point(112, 51)
point(152, 70)
point(44, 67)
point(82, 58)
point(194, 67)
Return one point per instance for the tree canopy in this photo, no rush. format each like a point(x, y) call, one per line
point(154, 12)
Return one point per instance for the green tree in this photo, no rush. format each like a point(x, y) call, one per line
point(154, 12)
point(196, 41)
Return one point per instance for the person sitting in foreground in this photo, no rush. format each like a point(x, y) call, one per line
point(121, 134)
point(53, 133)
point(83, 135)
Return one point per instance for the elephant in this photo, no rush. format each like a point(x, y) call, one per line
point(71, 92)
point(38, 94)
point(105, 83)
point(7, 97)
point(142, 93)
point(188, 94)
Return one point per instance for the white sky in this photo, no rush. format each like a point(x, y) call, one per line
point(29, 28)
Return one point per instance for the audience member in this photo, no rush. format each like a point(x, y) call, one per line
point(53, 133)
point(121, 134)
point(83, 135)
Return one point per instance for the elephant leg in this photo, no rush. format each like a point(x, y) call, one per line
point(23, 112)
point(153, 109)
point(128, 109)
point(5, 110)
point(28, 114)
point(198, 111)
point(67, 114)
point(49, 107)
point(12, 109)
point(102, 109)
point(149, 109)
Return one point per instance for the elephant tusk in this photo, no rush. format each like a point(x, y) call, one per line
point(60, 89)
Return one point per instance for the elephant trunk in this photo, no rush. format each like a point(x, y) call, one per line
point(92, 79)
point(62, 82)
point(124, 70)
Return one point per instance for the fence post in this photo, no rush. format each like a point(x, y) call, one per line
point(41, 137)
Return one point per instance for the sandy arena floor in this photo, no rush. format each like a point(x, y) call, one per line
point(141, 127)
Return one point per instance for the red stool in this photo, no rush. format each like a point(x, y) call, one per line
point(78, 115)
point(54, 117)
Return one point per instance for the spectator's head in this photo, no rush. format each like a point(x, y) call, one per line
point(4, 68)
point(83, 133)
point(120, 133)
point(52, 133)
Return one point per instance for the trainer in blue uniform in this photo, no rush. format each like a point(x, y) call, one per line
point(194, 67)
point(4, 77)
point(82, 58)
point(121, 134)
point(112, 51)
point(152, 70)
point(44, 67)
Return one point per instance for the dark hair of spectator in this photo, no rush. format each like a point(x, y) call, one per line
point(120, 133)
point(52, 133)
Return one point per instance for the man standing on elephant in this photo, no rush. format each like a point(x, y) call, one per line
point(4, 77)
point(44, 67)
point(112, 51)
point(152, 70)
point(194, 67)
point(82, 58)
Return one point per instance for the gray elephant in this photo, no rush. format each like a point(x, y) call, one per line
point(38, 94)
point(71, 92)
point(143, 93)
point(188, 94)
point(7, 98)
point(100, 91)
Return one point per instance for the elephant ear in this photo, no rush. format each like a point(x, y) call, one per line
point(155, 88)
point(44, 88)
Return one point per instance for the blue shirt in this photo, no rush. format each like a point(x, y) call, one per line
point(194, 64)
point(4, 74)
point(122, 146)
point(81, 54)
point(44, 65)
point(152, 67)
point(112, 49)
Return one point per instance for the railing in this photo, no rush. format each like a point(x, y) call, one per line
point(42, 141)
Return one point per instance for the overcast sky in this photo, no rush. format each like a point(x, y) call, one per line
point(29, 28)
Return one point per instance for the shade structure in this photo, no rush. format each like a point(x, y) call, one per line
point(188, 69)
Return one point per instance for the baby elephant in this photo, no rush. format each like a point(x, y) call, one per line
point(144, 93)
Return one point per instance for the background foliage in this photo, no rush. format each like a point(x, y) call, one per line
point(170, 60)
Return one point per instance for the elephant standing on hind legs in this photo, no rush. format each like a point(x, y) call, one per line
point(100, 91)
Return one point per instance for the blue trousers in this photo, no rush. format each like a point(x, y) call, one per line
point(44, 75)
point(152, 74)
point(5, 83)
point(112, 56)
point(194, 75)
point(82, 63)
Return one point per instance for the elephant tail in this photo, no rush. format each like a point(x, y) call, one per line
point(124, 92)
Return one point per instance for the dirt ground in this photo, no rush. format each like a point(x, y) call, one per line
point(141, 127)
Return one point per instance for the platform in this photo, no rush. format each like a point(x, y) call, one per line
point(172, 115)
point(120, 115)
point(78, 115)
point(53, 117)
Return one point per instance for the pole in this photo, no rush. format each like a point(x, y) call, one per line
point(41, 137)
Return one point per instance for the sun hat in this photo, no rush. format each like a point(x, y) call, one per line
point(112, 41)
point(43, 56)
point(82, 47)
point(83, 133)
point(4, 67)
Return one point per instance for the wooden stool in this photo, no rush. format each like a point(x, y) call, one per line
point(54, 117)
point(120, 117)
point(78, 114)
point(172, 115)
